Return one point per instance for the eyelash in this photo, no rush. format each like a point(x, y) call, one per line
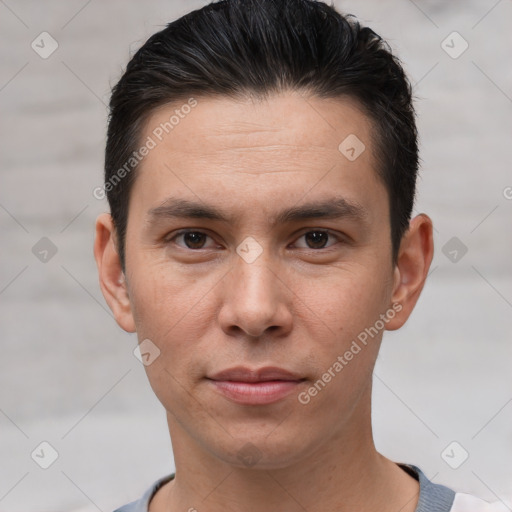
point(187, 231)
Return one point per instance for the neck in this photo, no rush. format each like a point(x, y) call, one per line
point(342, 474)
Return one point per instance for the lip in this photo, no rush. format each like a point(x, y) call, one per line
point(267, 373)
point(255, 387)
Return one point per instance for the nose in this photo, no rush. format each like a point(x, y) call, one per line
point(255, 301)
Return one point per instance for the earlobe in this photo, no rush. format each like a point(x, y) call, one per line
point(112, 279)
point(411, 270)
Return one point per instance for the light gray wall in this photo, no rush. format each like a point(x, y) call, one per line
point(67, 372)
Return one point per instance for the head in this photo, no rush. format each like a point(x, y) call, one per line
point(281, 136)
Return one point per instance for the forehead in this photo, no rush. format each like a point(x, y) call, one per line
point(250, 150)
point(307, 123)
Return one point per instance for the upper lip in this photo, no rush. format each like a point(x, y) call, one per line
point(243, 374)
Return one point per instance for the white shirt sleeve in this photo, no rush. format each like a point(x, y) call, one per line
point(469, 503)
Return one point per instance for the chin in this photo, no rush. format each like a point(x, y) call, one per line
point(260, 452)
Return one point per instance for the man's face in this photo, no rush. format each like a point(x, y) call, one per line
point(261, 289)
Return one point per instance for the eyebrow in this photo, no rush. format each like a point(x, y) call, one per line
point(333, 208)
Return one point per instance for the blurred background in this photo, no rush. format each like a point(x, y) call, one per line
point(68, 375)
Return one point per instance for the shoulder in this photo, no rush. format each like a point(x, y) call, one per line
point(142, 504)
point(439, 498)
point(134, 506)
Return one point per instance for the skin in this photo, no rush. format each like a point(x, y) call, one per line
point(298, 306)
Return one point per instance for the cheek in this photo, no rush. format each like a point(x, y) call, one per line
point(175, 322)
point(348, 300)
point(176, 313)
point(175, 387)
point(344, 356)
point(162, 299)
point(343, 326)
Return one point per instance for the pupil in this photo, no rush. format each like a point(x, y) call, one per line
point(193, 238)
point(317, 237)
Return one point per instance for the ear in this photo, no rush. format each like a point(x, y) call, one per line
point(111, 276)
point(411, 269)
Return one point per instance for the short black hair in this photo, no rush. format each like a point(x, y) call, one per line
point(238, 48)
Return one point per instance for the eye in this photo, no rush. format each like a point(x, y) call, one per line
point(191, 239)
point(317, 239)
point(195, 240)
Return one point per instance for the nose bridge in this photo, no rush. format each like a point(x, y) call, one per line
point(253, 276)
point(253, 298)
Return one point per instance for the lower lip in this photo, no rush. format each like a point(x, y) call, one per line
point(256, 393)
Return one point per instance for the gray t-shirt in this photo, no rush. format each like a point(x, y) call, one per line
point(433, 497)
